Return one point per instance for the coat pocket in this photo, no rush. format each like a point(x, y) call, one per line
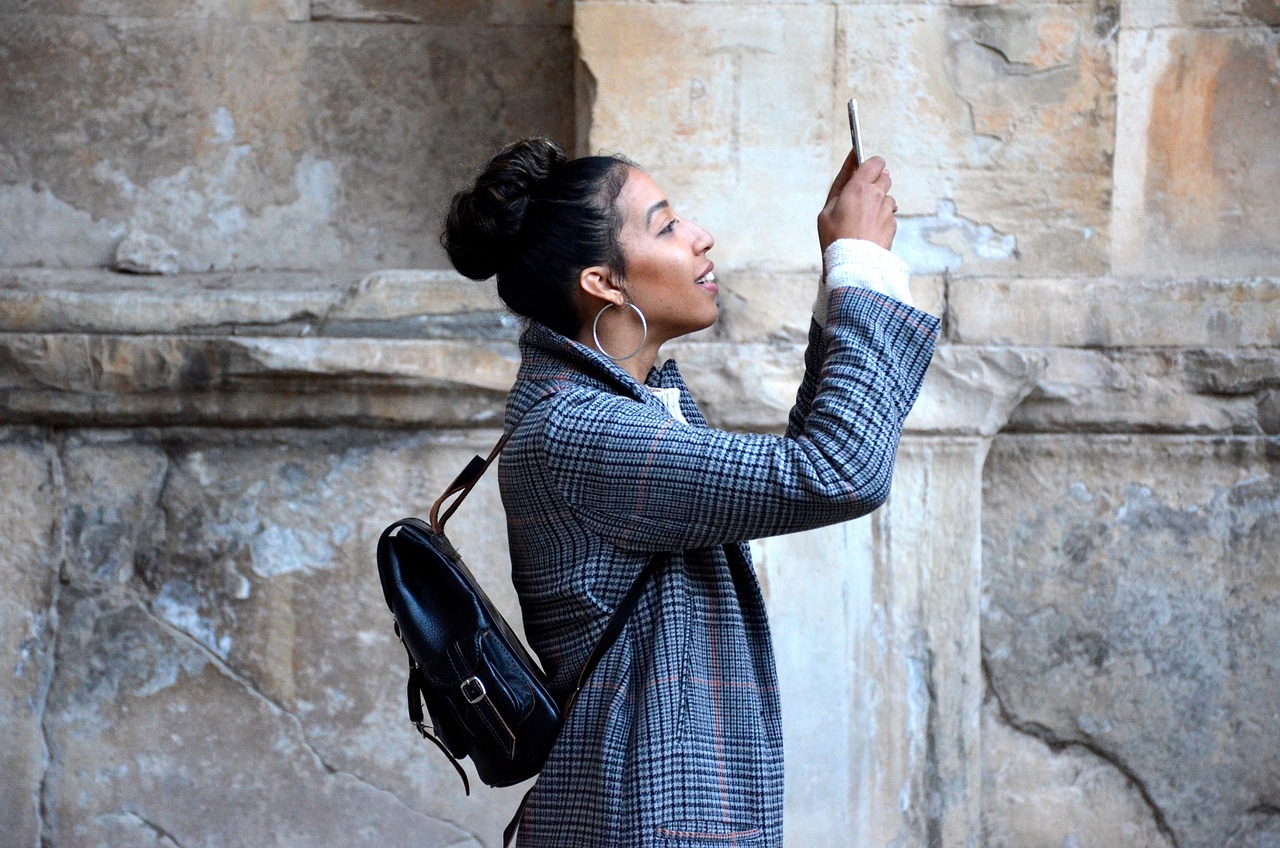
point(704, 834)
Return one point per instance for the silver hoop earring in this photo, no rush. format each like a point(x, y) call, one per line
point(595, 333)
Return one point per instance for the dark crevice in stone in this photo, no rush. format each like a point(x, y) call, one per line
point(154, 828)
point(249, 686)
point(1056, 743)
point(146, 556)
point(935, 805)
point(345, 299)
point(46, 835)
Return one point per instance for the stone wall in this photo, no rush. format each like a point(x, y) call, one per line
point(1057, 632)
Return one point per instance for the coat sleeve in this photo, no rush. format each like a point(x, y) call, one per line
point(648, 483)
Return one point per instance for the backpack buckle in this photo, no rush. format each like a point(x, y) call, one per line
point(473, 690)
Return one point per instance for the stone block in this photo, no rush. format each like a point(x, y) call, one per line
point(1153, 391)
point(389, 303)
point(759, 305)
point(1130, 589)
point(1152, 14)
point(477, 12)
point(37, 300)
point(1197, 161)
point(240, 381)
point(883, 611)
point(1037, 794)
point(28, 592)
point(257, 144)
point(1109, 312)
point(997, 122)
point(696, 103)
point(973, 390)
point(228, 671)
point(287, 10)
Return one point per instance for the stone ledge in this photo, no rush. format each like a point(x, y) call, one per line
point(80, 379)
point(1115, 312)
point(383, 304)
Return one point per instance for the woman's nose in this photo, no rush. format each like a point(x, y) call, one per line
point(702, 240)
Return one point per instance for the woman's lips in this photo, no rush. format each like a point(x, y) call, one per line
point(707, 281)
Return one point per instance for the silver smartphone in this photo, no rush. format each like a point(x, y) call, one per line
point(855, 130)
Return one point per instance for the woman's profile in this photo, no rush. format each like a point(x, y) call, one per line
point(676, 739)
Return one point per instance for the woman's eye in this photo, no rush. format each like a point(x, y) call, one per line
point(671, 225)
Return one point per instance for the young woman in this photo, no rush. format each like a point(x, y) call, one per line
point(676, 739)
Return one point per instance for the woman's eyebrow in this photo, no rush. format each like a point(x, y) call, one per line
point(648, 216)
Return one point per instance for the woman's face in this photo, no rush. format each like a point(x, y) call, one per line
point(668, 273)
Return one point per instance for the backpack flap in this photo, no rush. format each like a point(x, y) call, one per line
point(481, 687)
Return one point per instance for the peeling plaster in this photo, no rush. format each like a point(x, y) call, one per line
point(943, 242)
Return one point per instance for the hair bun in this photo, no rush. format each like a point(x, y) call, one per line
point(485, 220)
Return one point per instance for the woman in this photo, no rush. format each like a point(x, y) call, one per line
point(676, 740)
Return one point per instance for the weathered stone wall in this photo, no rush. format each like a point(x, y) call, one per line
point(1058, 632)
point(1089, 195)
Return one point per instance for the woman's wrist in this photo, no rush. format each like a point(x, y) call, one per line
point(864, 264)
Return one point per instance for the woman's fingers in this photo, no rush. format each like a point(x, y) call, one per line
point(842, 179)
point(871, 170)
point(860, 207)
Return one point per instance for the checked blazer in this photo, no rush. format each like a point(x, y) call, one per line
point(676, 740)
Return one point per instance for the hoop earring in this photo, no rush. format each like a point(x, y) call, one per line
point(595, 333)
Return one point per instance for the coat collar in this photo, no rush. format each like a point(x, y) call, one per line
point(548, 357)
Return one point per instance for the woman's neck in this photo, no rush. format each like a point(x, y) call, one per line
point(638, 366)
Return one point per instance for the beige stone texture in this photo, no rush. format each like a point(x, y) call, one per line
point(974, 390)
point(28, 591)
point(1151, 14)
point(239, 381)
point(1169, 391)
point(1197, 161)
point(877, 610)
point(390, 302)
point(997, 121)
point(758, 306)
point(701, 116)
point(1130, 590)
point(1116, 313)
point(1036, 794)
point(1066, 642)
point(257, 144)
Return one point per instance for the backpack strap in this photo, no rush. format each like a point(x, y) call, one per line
point(469, 476)
point(462, 486)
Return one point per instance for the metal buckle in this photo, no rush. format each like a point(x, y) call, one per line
point(473, 690)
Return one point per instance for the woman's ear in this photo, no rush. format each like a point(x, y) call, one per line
point(599, 283)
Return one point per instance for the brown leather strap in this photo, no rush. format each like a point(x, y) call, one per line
point(465, 481)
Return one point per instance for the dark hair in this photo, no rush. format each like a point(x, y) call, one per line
point(536, 219)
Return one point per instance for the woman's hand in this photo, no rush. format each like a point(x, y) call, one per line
point(859, 205)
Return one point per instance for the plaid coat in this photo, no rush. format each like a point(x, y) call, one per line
point(676, 740)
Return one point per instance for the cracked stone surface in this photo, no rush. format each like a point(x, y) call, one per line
point(1037, 794)
point(227, 668)
point(249, 141)
point(1130, 589)
point(28, 587)
point(990, 93)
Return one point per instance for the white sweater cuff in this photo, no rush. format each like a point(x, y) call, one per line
point(855, 262)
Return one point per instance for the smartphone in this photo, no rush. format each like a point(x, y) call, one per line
point(855, 130)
